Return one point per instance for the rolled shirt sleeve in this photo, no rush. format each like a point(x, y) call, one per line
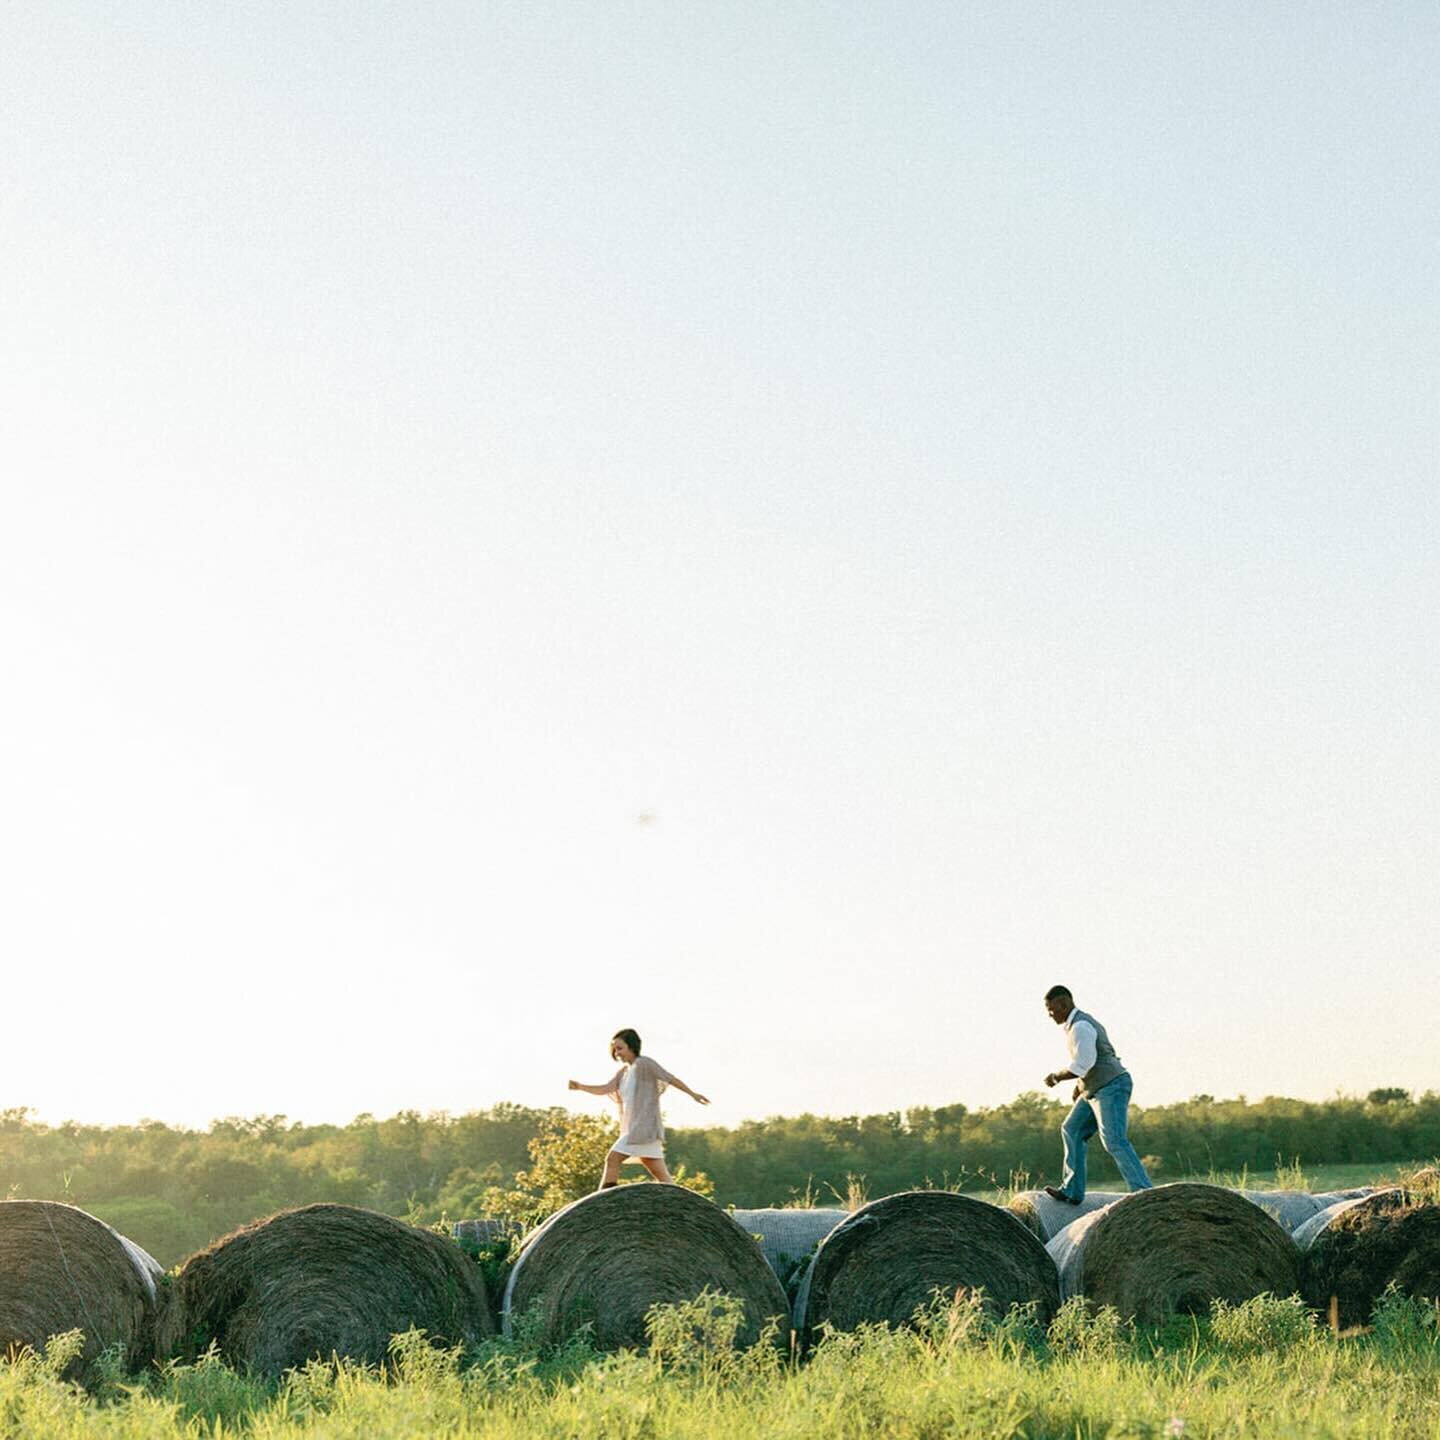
point(1081, 1036)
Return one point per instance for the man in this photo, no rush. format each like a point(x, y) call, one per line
point(1102, 1099)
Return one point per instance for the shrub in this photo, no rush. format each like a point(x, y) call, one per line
point(1260, 1324)
point(209, 1390)
point(696, 1335)
point(1089, 1332)
point(1406, 1323)
point(566, 1159)
point(950, 1321)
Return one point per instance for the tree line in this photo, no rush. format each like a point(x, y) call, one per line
point(174, 1190)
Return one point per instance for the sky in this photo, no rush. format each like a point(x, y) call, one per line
point(791, 528)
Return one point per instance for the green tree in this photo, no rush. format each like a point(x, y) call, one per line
point(566, 1157)
point(1390, 1095)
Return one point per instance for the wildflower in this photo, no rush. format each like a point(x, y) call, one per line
point(1175, 1426)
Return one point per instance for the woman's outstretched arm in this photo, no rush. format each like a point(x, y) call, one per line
point(679, 1084)
point(610, 1087)
point(664, 1077)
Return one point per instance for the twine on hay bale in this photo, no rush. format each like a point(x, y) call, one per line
point(1043, 1216)
point(1289, 1208)
point(1174, 1249)
point(788, 1237)
point(61, 1269)
point(890, 1256)
point(1354, 1249)
point(606, 1259)
point(320, 1281)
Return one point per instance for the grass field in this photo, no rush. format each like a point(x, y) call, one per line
point(1314, 1178)
point(1265, 1369)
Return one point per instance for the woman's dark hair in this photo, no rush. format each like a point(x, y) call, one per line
point(629, 1037)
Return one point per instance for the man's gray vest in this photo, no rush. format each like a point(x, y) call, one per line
point(1107, 1066)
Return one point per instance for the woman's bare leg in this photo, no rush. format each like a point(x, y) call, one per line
point(611, 1174)
point(657, 1169)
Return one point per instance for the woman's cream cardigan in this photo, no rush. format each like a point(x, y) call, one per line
point(642, 1124)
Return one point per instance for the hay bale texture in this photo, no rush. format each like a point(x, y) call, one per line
point(1046, 1217)
point(320, 1281)
point(889, 1257)
point(1174, 1249)
point(604, 1260)
point(1355, 1248)
point(61, 1269)
point(788, 1237)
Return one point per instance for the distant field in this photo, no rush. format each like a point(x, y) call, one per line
point(1315, 1178)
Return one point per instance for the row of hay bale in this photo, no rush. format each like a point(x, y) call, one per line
point(335, 1280)
point(320, 1281)
point(1151, 1255)
point(603, 1261)
point(1047, 1217)
point(1176, 1248)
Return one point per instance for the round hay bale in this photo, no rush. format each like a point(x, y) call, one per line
point(606, 1259)
point(1174, 1249)
point(1289, 1208)
point(1354, 1249)
point(1045, 1217)
point(61, 1269)
point(891, 1255)
point(788, 1237)
point(320, 1281)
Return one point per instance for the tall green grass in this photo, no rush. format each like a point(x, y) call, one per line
point(1262, 1369)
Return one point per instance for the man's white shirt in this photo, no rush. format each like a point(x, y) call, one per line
point(1080, 1036)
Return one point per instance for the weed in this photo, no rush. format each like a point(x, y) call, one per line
point(1291, 1176)
point(1406, 1324)
point(857, 1194)
point(952, 1320)
point(1260, 1324)
point(698, 1334)
point(60, 1353)
point(1089, 1332)
point(417, 1360)
point(209, 1390)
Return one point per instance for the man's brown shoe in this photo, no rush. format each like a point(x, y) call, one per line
point(1055, 1193)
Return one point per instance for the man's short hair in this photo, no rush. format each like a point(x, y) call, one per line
point(1056, 991)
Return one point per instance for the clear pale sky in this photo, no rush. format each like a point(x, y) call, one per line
point(792, 528)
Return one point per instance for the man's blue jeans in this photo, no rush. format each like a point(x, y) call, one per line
point(1106, 1111)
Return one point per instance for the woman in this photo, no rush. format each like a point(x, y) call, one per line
point(636, 1088)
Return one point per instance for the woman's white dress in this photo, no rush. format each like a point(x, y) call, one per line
point(636, 1149)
